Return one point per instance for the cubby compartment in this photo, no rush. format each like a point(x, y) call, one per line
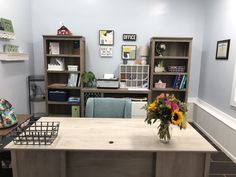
point(135, 76)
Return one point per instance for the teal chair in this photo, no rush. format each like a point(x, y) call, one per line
point(108, 107)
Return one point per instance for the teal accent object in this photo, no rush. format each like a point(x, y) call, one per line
point(7, 114)
point(108, 107)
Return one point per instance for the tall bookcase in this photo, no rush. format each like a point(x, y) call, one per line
point(70, 50)
point(175, 62)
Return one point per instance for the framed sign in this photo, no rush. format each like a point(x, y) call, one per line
point(6, 25)
point(106, 37)
point(222, 49)
point(129, 37)
point(106, 51)
point(128, 52)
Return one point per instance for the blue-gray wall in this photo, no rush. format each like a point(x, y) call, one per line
point(13, 75)
point(146, 18)
point(217, 75)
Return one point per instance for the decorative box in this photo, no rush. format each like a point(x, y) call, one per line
point(72, 68)
point(176, 68)
point(160, 84)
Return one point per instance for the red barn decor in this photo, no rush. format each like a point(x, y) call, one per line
point(63, 31)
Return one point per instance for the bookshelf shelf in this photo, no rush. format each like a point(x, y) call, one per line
point(65, 72)
point(63, 55)
point(176, 55)
point(62, 103)
point(170, 73)
point(172, 57)
point(60, 84)
point(169, 89)
point(63, 87)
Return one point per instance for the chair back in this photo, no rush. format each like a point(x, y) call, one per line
point(108, 107)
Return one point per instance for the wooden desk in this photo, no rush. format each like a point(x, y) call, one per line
point(113, 148)
point(120, 92)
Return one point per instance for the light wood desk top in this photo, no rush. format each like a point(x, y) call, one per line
point(126, 135)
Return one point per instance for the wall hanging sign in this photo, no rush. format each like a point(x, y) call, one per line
point(106, 37)
point(6, 29)
point(129, 37)
point(106, 51)
point(222, 49)
point(128, 52)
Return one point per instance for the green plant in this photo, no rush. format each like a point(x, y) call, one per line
point(88, 78)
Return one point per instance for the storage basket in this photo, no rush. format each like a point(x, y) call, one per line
point(176, 68)
point(38, 133)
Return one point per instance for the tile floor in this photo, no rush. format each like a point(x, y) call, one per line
point(221, 165)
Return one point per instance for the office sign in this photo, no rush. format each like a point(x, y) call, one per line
point(129, 37)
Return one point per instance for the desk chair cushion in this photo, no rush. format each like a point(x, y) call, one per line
point(108, 107)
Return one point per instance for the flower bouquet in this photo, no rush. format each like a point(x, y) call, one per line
point(169, 110)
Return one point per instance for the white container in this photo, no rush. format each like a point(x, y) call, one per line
point(72, 68)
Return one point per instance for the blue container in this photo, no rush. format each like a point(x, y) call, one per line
point(57, 96)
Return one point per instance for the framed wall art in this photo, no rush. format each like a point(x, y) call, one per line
point(106, 51)
point(222, 49)
point(128, 52)
point(106, 37)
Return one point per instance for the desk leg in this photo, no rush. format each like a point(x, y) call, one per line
point(182, 164)
point(63, 163)
point(207, 164)
point(14, 164)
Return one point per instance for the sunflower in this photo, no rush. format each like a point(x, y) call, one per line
point(177, 117)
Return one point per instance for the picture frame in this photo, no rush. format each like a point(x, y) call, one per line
point(106, 37)
point(128, 52)
point(222, 49)
point(106, 51)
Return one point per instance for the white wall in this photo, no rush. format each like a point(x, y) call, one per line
point(13, 83)
point(217, 75)
point(179, 18)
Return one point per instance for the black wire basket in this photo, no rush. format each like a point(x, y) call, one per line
point(37, 133)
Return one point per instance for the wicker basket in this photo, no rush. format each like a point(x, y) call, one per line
point(38, 133)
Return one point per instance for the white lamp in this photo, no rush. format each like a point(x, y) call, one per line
point(143, 52)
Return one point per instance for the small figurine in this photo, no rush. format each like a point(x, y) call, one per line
point(159, 67)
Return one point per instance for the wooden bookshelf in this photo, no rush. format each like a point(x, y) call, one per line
point(72, 50)
point(177, 53)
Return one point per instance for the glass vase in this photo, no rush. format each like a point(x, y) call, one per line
point(164, 132)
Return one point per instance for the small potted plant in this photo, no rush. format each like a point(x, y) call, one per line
point(88, 78)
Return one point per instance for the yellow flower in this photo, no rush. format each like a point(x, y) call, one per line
point(152, 106)
point(177, 117)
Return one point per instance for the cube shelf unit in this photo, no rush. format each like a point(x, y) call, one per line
point(57, 80)
point(134, 76)
point(177, 53)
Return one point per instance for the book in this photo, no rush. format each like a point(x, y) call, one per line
point(79, 81)
point(72, 80)
point(173, 85)
point(177, 84)
point(54, 48)
point(182, 81)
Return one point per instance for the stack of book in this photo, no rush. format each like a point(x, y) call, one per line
point(179, 82)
